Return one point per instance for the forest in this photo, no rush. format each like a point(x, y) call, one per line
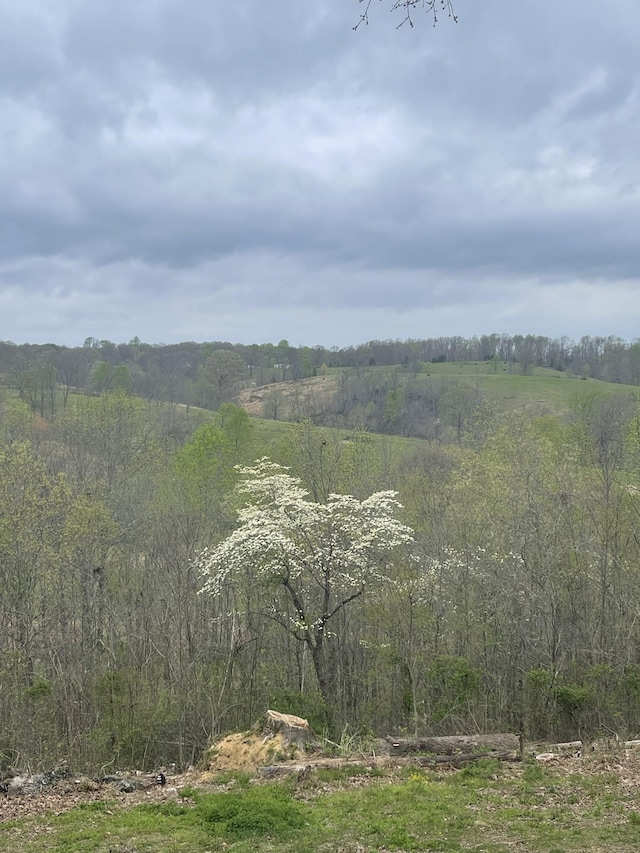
point(423, 537)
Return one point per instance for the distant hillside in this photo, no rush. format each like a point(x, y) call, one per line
point(436, 403)
point(415, 389)
point(289, 400)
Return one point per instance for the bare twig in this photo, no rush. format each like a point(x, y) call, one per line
point(434, 7)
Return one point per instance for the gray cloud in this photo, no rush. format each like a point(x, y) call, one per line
point(168, 169)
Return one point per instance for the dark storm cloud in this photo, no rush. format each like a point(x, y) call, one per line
point(265, 155)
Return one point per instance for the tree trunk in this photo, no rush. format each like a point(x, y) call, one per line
point(324, 664)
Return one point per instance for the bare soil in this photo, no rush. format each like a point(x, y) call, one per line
point(299, 393)
point(242, 752)
point(67, 795)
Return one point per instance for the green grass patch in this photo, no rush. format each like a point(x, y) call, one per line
point(143, 829)
point(486, 807)
point(542, 389)
point(264, 811)
point(418, 814)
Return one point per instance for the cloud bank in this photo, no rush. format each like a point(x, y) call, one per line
point(252, 172)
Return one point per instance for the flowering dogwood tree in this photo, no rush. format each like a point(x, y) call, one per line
point(311, 559)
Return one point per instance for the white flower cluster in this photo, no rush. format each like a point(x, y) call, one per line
point(315, 551)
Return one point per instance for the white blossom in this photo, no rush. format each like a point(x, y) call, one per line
point(317, 556)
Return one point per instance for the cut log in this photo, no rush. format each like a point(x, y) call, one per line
point(465, 758)
point(557, 751)
point(567, 745)
point(277, 771)
point(280, 771)
point(449, 745)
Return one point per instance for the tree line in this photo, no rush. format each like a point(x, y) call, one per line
point(208, 374)
point(384, 387)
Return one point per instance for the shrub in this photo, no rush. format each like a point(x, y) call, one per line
point(255, 811)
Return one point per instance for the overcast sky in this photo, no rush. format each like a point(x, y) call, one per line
point(250, 171)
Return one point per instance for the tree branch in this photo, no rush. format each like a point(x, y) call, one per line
point(430, 6)
point(343, 603)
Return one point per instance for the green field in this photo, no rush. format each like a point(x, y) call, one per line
point(488, 806)
point(549, 391)
point(545, 389)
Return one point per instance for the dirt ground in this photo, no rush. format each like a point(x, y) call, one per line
point(66, 795)
point(292, 395)
point(241, 752)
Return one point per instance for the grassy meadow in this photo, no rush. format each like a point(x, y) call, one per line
point(488, 806)
point(543, 389)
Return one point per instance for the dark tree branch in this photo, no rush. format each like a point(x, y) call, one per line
point(434, 7)
point(342, 604)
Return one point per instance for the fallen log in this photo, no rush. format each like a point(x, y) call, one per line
point(281, 771)
point(465, 758)
point(449, 745)
point(556, 751)
point(567, 745)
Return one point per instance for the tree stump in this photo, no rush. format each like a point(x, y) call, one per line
point(294, 730)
